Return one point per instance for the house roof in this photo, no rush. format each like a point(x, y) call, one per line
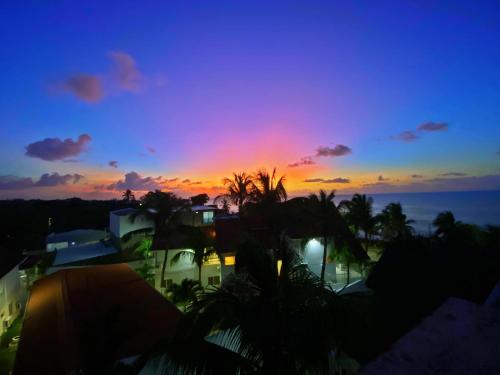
point(80, 317)
point(82, 252)
point(460, 337)
point(203, 208)
point(123, 211)
point(77, 235)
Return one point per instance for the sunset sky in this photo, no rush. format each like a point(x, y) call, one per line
point(375, 96)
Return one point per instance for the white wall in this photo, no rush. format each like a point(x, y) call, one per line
point(184, 269)
point(313, 256)
point(57, 246)
point(120, 225)
point(10, 297)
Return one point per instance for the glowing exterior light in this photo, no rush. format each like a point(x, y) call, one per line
point(279, 263)
point(229, 260)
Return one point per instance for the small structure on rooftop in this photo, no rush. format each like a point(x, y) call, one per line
point(122, 222)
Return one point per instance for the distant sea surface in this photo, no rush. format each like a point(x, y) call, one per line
point(474, 207)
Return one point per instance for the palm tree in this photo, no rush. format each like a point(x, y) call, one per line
point(184, 293)
point(445, 223)
point(267, 187)
point(322, 208)
point(128, 196)
point(394, 223)
point(238, 189)
point(265, 208)
point(144, 248)
point(262, 321)
point(345, 257)
point(200, 247)
point(359, 214)
point(164, 209)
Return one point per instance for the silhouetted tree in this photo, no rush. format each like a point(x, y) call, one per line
point(128, 196)
point(272, 322)
point(394, 223)
point(238, 189)
point(445, 223)
point(359, 214)
point(164, 208)
point(322, 206)
point(184, 293)
point(268, 188)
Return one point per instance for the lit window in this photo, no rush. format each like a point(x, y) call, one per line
point(208, 217)
point(229, 260)
point(213, 260)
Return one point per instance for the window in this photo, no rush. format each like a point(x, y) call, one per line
point(213, 260)
point(229, 260)
point(208, 217)
point(213, 280)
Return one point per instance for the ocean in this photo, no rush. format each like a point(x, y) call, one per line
point(474, 207)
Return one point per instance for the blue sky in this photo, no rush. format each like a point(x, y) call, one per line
point(194, 90)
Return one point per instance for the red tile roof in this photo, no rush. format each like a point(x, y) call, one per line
point(89, 314)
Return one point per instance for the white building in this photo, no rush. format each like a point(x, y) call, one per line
point(184, 269)
point(121, 223)
point(10, 293)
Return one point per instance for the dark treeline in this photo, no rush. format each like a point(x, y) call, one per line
point(24, 224)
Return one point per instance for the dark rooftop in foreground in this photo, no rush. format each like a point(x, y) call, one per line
point(460, 337)
point(105, 313)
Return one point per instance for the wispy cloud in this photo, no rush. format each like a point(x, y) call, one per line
point(86, 87)
point(338, 180)
point(406, 136)
point(431, 126)
point(124, 76)
point(452, 174)
point(151, 150)
point(416, 176)
point(52, 149)
point(113, 164)
point(9, 182)
point(124, 71)
point(426, 127)
point(338, 150)
point(134, 181)
point(382, 178)
point(303, 161)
